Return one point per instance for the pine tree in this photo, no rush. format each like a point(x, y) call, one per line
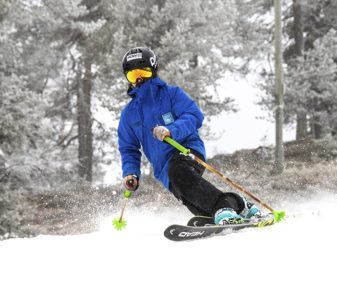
point(301, 81)
point(313, 81)
point(301, 115)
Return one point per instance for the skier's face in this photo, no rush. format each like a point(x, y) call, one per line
point(139, 82)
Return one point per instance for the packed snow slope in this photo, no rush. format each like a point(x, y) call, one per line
point(298, 252)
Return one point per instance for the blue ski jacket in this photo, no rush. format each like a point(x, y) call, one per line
point(156, 103)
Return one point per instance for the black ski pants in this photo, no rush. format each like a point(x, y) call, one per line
point(195, 192)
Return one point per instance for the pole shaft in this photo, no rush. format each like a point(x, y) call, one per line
point(124, 205)
point(209, 167)
point(230, 181)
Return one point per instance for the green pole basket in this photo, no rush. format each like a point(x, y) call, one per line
point(120, 223)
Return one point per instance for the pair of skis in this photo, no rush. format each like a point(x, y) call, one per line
point(201, 227)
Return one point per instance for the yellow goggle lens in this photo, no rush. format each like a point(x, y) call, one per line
point(133, 75)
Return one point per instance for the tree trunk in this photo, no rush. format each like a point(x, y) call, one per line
point(301, 119)
point(301, 125)
point(279, 90)
point(317, 127)
point(334, 130)
point(298, 27)
point(84, 118)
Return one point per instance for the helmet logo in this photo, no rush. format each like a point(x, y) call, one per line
point(153, 61)
point(133, 57)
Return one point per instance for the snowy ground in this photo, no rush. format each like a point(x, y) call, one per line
point(298, 252)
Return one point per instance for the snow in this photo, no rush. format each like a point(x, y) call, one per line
point(293, 253)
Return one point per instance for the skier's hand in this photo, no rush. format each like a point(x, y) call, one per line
point(160, 132)
point(130, 182)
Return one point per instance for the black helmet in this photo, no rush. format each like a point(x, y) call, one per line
point(140, 57)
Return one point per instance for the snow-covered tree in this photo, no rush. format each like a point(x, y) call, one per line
point(317, 19)
point(196, 44)
point(313, 83)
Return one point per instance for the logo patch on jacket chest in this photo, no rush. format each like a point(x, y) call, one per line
point(168, 118)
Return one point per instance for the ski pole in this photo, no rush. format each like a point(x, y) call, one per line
point(279, 215)
point(120, 223)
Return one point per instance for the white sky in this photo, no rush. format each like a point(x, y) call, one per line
point(243, 130)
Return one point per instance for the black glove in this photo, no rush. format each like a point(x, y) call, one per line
point(130, 182)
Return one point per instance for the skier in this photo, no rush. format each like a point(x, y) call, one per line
point(157, 110)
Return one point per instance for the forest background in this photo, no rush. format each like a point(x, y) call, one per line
point(60, 67)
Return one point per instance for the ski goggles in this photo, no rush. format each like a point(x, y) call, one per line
point(133, 75)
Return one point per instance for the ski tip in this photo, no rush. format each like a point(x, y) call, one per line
point(118, 225)
point(279, 215)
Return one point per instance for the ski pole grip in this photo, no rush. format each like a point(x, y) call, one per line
point(177, 145)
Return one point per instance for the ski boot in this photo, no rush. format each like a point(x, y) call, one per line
point(226, 216)
point(250, 210)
